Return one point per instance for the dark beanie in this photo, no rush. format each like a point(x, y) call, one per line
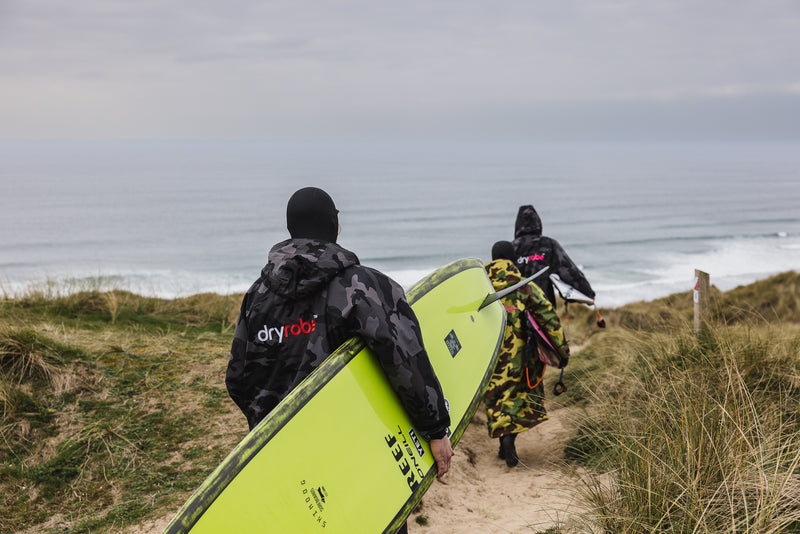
point(503, 250)
point(311, 214)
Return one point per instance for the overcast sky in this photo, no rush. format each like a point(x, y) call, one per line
point(448, 69)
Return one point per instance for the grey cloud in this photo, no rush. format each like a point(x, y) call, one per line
point(284, 68)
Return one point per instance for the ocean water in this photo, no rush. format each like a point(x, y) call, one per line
point(172, 218)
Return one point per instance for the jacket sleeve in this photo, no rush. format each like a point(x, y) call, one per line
point(234, 374)
point(569, 272)
point(375, 308)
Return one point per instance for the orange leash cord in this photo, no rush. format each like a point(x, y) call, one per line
point(528, 377)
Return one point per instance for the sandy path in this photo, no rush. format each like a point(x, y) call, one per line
point(481, 494)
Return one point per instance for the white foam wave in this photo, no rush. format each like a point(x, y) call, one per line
point(729, 263)
point(166, 284)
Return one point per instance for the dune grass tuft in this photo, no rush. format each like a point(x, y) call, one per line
point(697, 434)
point(113, 406)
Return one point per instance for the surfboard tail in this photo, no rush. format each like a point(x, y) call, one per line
point(569, 293)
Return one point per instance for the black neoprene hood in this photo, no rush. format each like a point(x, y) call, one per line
point(311, 214)
point(503, 250)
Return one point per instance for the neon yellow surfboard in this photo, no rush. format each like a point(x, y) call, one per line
point(339, 453)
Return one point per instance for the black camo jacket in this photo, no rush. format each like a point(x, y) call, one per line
point(311, 297)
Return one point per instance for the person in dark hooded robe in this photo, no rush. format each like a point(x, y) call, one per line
point(534, 251)
point(514, 396)
point(312, 296)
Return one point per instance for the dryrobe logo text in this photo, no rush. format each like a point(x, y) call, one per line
point(528, 259)
point(270, 333)
point(400, 446)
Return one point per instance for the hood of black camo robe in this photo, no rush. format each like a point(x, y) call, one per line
point(528, 222)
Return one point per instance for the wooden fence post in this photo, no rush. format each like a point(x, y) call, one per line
point(701, 299)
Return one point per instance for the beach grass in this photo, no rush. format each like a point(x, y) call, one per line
point(113, 406)
point(698, 433)
point(113, 409)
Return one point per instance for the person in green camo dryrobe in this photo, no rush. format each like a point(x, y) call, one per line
point(514, 397)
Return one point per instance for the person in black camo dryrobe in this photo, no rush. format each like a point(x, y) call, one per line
point(312, 296)
point(535, 251)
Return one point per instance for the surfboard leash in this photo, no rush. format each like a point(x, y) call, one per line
point(601, 323)
point(559, 386)
point(528, 377)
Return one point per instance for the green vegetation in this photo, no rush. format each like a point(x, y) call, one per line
point(113, 410)
point(113, 406)
point(686, 433)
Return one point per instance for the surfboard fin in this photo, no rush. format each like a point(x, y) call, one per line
point(491, 297)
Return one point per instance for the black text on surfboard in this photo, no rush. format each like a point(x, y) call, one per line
point(402, 452)
point(312, 497)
